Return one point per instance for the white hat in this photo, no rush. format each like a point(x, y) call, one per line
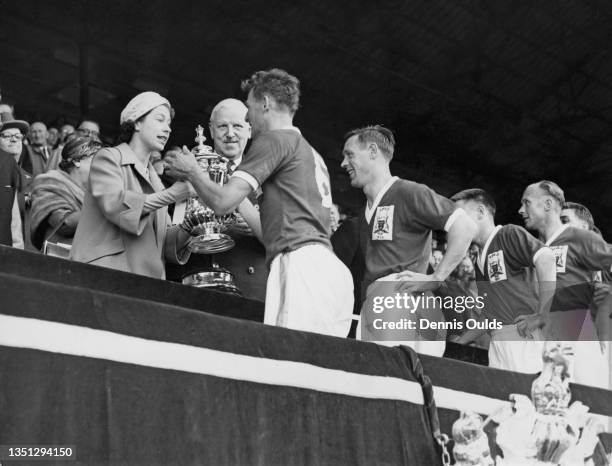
point(142, 104)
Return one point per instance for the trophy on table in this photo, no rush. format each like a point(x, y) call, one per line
point(205, 226)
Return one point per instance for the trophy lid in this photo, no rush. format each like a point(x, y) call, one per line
point(202, 150)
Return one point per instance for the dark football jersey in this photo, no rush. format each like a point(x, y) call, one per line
point(501, 273)
point(296, 199)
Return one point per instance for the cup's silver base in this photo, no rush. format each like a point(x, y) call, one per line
point(211, 243)
point(215, 279)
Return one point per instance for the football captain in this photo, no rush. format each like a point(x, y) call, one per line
point(308, 288)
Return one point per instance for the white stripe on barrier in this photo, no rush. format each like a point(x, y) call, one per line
point(23, 332)
point(74, 340)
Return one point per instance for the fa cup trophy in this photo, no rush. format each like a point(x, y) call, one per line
point(206, 227)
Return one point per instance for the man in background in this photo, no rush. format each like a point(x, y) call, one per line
point(509, 293)
point(578, 254)
point(39, 156)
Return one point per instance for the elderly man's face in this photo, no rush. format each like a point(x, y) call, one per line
point(38, 133)
point(230, 131)
point(11, 141)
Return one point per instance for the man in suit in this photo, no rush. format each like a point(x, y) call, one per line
point(230, 133)
point(39, 156)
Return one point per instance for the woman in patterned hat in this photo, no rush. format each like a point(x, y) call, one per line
point(57, 196)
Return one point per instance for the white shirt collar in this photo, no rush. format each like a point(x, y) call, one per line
point(235, 162)
point(369, 212)
point(482, 254)
point(556, 234)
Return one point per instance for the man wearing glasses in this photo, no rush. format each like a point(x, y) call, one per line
point(89, 129)
point(12, 133)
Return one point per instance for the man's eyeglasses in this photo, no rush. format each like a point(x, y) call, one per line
point(14, 137)
point(87, 132)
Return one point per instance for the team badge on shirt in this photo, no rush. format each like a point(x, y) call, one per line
point(383, 223)
point(496, 267)
point(560, 253)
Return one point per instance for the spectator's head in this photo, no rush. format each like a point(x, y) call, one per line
point(229, 129)
point(7, 111)
point(65, 131)
point(473, 252)
point(12, 133)
point(146, 118)
point(270, 93)
point(38, 133)
point(465, 270)
point(89, 129)
point(577, 215)
point(436, 258)
point(334, 216)
point(77, 155)
point(52, 137)
point(541, 203)
point(367, 152)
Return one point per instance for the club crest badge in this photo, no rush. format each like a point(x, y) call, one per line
point(383, 223)
point(496, 267)
point(560, 253)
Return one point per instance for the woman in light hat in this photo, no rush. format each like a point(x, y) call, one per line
point(124, 222)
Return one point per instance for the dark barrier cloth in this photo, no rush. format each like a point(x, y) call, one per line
point(52, 269)
point(117, 413)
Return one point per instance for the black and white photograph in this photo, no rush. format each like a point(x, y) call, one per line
point(306, 233)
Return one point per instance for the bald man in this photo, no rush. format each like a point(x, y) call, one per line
point(578, 254)
point(230, 133)
point(229, 130)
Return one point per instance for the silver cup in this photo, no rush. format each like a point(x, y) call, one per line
point(207, 227)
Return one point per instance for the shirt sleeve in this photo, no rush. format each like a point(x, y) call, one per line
point(263, 158)
point(522, 247)
point(597, 253)
point(427, 208)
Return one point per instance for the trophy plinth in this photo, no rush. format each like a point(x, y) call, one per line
point(203, 223)
point(214, 278)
